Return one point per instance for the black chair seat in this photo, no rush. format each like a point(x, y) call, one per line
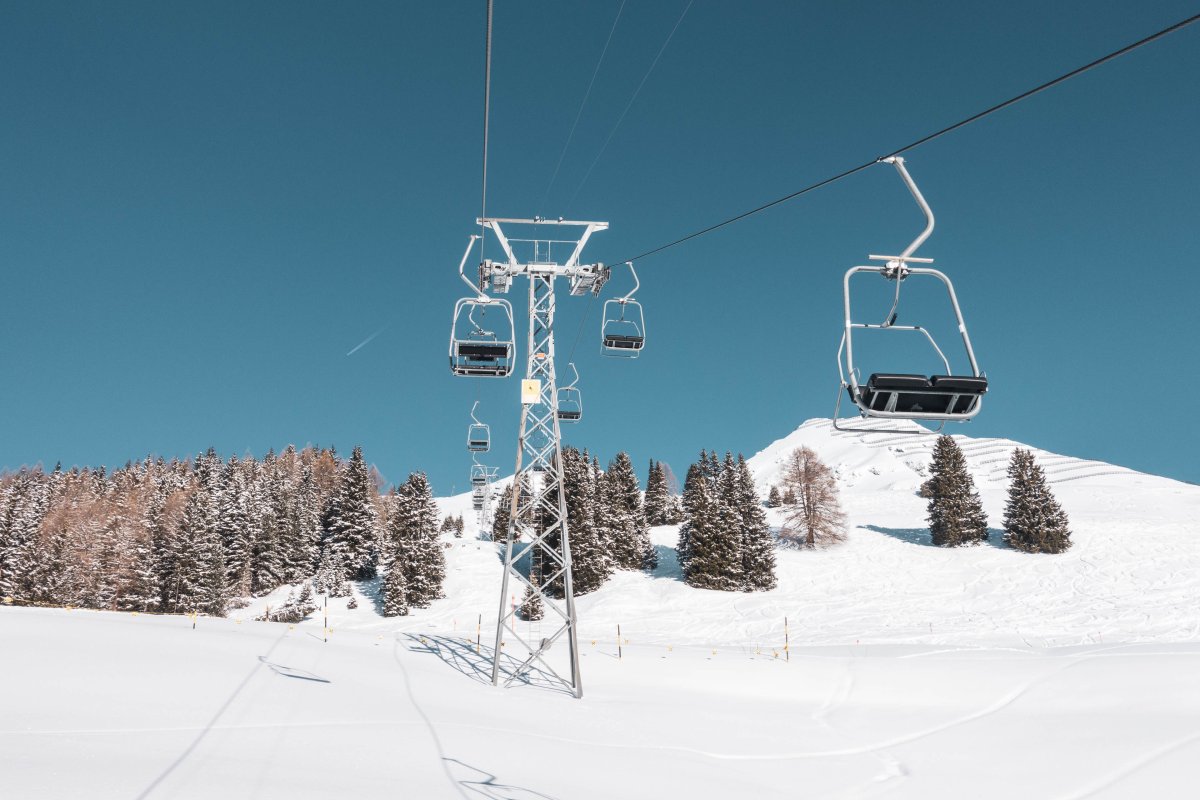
point(916, 394)
point(623, 342)
point(967, 384)
point(569, 415)
point(895, 381)
point(482, 352)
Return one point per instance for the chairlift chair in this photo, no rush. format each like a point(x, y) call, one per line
point(937, 398)
point(623, 325)
point(570, 400)
point(479, 477)
point(474, 350)
point(479, 435)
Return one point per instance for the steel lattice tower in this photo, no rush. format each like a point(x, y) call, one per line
point(537, 553)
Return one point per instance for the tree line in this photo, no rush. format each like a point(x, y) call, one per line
point(204, 534)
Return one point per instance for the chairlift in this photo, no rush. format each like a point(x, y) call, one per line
point(570, 400)
point(476, 351)
point(888, 395)
point(623, 326)
point(479, 476)
point(479, 435)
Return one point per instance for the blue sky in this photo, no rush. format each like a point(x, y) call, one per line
point(205, 207)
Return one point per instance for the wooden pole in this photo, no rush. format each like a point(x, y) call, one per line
point(787, 654)
point(327, 619)
point(620, 654)
point(478, 628)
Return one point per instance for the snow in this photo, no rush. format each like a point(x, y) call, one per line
point(913, 671)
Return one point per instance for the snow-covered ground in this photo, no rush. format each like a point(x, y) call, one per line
point(913, 671)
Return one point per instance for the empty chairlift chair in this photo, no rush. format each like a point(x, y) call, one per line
point(623, 327)
point(570, 400)
point(887, 395)
point(479, 476)
point(479, 436)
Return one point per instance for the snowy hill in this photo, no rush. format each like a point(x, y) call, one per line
point(1133, 574)
point(913, 671)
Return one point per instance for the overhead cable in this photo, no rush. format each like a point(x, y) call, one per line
point(923, 140)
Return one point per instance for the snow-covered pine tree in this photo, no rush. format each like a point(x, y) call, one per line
point(199, 580)
point(502, 515)
point(789, 498)
point(591, 562)
point(351, 521)
point(414, 543)
point(758, 546)
point(712, 545)
point(459, 526)
point(629, 535)
point(815, 518)
point(1033, 519)
point(235, 524)
point(658, 497)
point(269, 506)
point(395, 595)
point(774, 498)
point(955, 512)
point(692, 503)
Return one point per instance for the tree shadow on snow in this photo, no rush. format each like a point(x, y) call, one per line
point(923, 537)
point(475, 661)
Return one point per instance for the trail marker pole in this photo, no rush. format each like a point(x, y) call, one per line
point(787, 654)
point(620, 655)
point(326, 632)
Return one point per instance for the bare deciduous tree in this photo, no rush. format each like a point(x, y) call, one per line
point(815, 519)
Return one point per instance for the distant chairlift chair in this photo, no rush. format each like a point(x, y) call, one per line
point(938, 398)
point(570, 400)
point(623, 326)
point(479, 436)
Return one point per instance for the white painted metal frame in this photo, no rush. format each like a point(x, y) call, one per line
point(897, 268)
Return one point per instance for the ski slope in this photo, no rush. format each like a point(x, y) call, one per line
point(913, 671)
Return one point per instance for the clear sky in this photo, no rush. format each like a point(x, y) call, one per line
point(205, 206)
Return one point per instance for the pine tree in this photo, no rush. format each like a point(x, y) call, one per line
point(710, 546)
point(789, 498)
point(503, 515)
point(692, 504)
point(413, 540)
point(774, 498)
point(629, 535)
point(955, 511)
point(395, 594)
point(591, 562)
point(758, 547)
point(658, 498)
point(351, 522)
point(814, 517)
point(1033, 519)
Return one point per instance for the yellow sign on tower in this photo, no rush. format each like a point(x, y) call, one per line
point(531, 392)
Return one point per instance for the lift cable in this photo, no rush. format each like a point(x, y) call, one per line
point(924, 139)
point(487, 105)
point(582, 105)
point(628, 106)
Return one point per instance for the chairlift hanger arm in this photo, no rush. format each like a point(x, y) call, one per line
point(462, 266)
point(636, 285)
point(906, 256)
point(474, 418)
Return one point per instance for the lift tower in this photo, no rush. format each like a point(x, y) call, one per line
point(538, 539)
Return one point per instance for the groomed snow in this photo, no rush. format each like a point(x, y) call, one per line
point(913, 671)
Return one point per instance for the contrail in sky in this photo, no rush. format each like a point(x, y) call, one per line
point(367, 340)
